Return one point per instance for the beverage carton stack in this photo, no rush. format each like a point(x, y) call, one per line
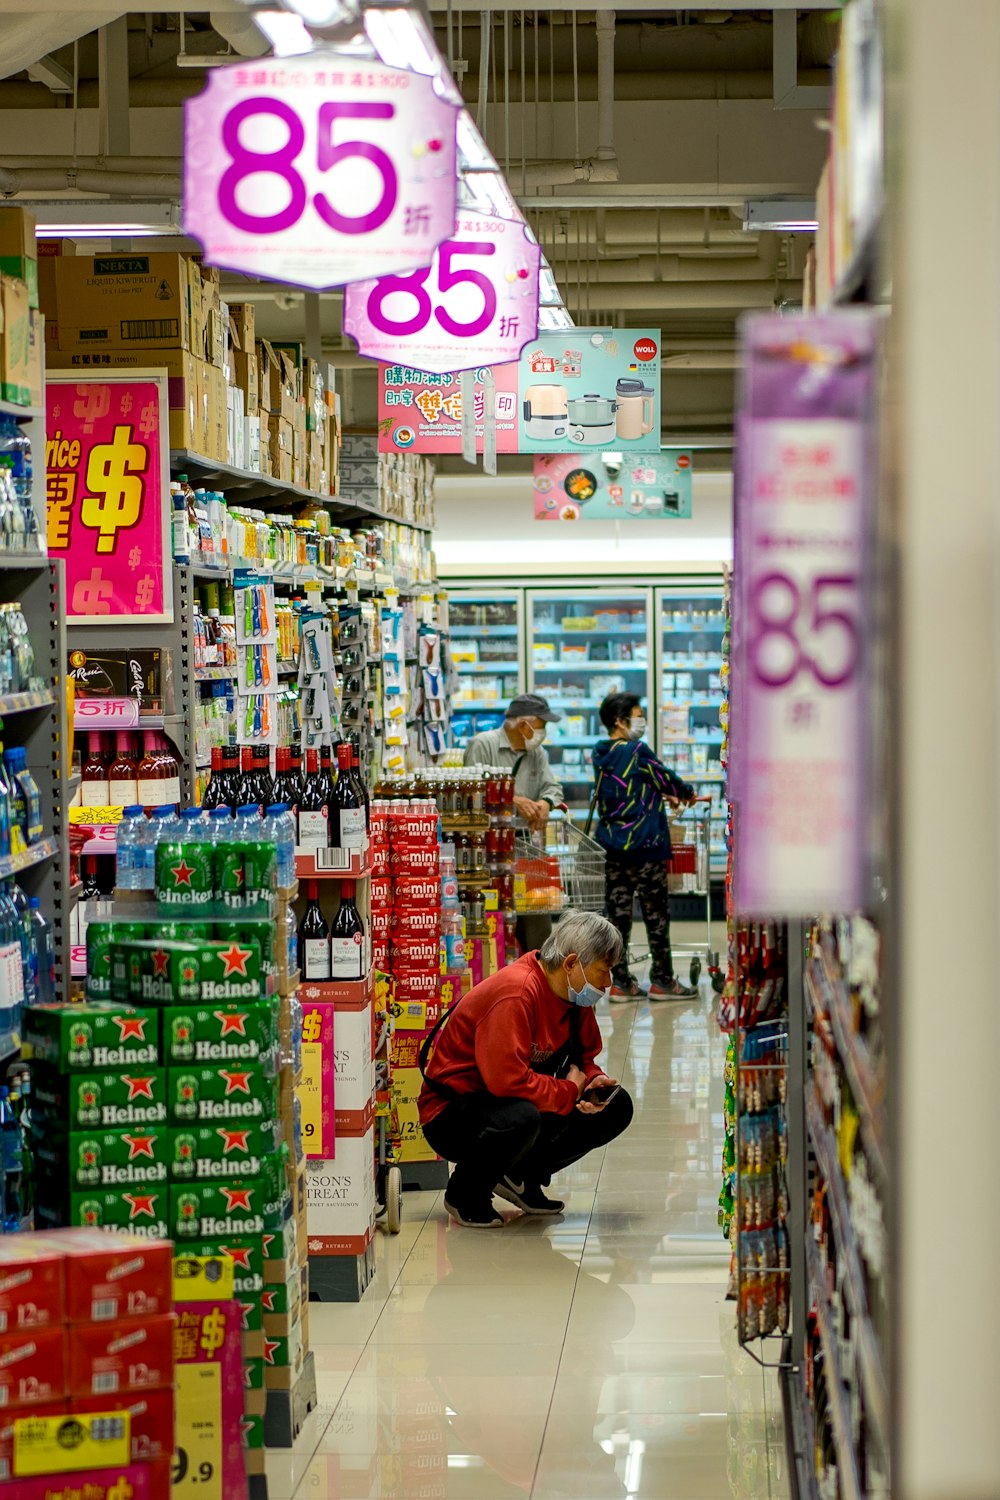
point(86, 1334)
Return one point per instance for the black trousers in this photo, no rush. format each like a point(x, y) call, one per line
point(625, 879)
point(489, 1138)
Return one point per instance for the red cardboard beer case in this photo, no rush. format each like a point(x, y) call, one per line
point(33, 1366)
point(31, 1282)
point(114, 1274)
point(128, 1354)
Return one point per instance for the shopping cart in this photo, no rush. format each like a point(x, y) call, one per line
point(557, 867)
point(690, 837)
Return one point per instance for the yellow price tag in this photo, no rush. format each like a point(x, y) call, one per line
point(203, 1278)
point(94, 817)
point(60, 1445)
point(198, 1470)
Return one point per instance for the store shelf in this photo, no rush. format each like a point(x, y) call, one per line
point(214, 674)
point(480, 705)
point(574, 702)
point(10, 1046)
point(476, 632)
point(333, 864)
point(692, 739)
point(851, 1265)
point(14, 560)
point(257, 487)
point(73, 783)
point(693, 629)
point(486, 666)
point(18, 703)
point(35, 854)
point(24, 413)
point(840, 1415)
point(583, 635)
point(685, 664)
point(827, 994)
point(592, 666)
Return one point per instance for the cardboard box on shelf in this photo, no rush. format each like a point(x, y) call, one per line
point(283, 377)
point(116, 300)
point(253, 450)
point(247, 372)
point(215, 338)
point(236, 437)
point(196, 312)
point(217, 414)
point(18, 248)
point(48, 252)
point(15, 342)
point(36, 358)
point(243, 321)
point(342, 1198)
point(267, 363)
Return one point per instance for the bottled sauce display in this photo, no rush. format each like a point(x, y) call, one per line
point(348, 950)
point(314, 938)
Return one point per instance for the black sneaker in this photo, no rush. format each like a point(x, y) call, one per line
point(528, 1196)
point(474, 1216)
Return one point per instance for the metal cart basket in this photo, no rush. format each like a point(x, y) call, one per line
point(559, 866)
point(690, 876)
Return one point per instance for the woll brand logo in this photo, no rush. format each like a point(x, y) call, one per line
point(645, 350)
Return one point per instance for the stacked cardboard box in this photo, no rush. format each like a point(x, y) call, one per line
point(22, 326)
point(234, 399)
point(86, 1327)
point(401, 485)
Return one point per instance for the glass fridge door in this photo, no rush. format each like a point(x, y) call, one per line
point(486, 643)
point(583, 644)
point(688, 678)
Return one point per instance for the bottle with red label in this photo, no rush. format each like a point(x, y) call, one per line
point(314, 808)
point(286, 787)
point(314, 938)
point(123, 783)
point(347, 808)
point(95, 790)
point(348, 949)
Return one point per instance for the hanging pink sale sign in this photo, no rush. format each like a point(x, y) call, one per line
point(420, 411)
point(475, 304)
point(317, 169)
point(800, 721)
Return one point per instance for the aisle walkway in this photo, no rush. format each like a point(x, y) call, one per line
point(587, 1358)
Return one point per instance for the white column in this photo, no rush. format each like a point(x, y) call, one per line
point(944, 401)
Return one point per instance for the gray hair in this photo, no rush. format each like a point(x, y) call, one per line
point(584, 933)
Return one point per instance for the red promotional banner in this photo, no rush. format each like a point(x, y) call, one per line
point(108, 496)
point(421, 412)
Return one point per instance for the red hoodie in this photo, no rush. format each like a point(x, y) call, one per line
point(499, 1032)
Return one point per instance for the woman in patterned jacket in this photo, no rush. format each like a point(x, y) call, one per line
point(634, 789)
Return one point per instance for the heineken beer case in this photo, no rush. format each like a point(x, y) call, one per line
point(221, 1093)
point(98, 1099)
point(141, 1210)
point(71, 1038)
point(80, 1160)
point(213, 1153)
point(168, 973)
point(219, 1034)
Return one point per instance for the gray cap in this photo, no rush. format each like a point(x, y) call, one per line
point(531, 706)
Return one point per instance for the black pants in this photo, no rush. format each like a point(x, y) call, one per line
point(489, 1138)
point(623, 880)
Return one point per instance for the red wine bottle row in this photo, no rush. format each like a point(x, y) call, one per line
point(331, 809)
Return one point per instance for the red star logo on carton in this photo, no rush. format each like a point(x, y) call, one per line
point(141, 1205)
point(161, 961)
point(233, 1140)
point(239, 1256)
point(238, 1198)
point(235, 959)
point(270, 1345)
point(182, 873)
point(234, 1023)
point(138, 1088)
point(246, 1308)
point(139, 1145)
point(131, 1026)
point(267, 1301)
point(237, 1080)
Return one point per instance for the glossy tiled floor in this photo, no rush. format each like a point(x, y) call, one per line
point(585, 1358)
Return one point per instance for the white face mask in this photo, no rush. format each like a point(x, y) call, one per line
point(636, 728)
point(533, 738)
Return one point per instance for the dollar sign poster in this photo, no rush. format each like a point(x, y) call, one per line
point(208, 1367)
point(107, 491)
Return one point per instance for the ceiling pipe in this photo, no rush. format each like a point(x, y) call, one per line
point(627, 226)
point(704, 296)
point(109, 184)
point(606, 86)
point(240, 32)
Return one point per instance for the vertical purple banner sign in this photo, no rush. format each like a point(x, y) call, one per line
point(806, 477)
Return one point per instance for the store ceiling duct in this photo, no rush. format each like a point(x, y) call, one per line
point(783, 215)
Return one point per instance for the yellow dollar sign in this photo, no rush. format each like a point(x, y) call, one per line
point(213, 1331)
point(115, 478)
point(312, 1026)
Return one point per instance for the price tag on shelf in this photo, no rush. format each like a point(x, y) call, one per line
point(208, 1375)
point(800, 717)
point(476, 304)
point(66, 1443)
point(203, 1278)
point(105, 713)
point(95, 817)
point(317, 1089)
point(319, 169)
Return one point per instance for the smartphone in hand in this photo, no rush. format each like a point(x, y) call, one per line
point(601, 1093)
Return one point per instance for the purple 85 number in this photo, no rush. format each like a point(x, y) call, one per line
point(448, 277)
point(281, 163)
point(779, 612)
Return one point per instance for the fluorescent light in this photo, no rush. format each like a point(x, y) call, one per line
point(403, 39)
point(784, 215)
point(286, 32)
point(85, 218)
point(554, 317)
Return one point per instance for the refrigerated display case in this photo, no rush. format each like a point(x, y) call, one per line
point(691, 624)
point(487, 647)
point(584, 643)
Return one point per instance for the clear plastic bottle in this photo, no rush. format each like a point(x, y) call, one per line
point(279, 825)
point(16, 458)
point(145, 853)
point(12, 1161)
point(44, 956)
point(20, 903)
point(165, 824)
point(130, 855)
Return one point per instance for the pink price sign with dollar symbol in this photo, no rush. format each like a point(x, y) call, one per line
point(108, 494)
point(317, 170)
point(475, 304)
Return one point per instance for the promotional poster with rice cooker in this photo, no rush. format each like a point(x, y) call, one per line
point(590, 388)
point(614, 486)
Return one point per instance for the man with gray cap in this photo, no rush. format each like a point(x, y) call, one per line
point(518, 744)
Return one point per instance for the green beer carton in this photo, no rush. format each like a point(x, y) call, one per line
point(223, 1092)
point(102, 934)
point(247, 1254)
point(211, 1153)
point(253, 1374)
point(251, 1313)
point(246, 873)
point(107, 1158)
point(141, 1210)
point(71, 1038)
point(163, 973)
point(211, 1211)
point(183, 876)
point(90, 1100)
point(219, 1034)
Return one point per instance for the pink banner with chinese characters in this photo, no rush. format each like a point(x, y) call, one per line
point(421, 412)
point(108, 495)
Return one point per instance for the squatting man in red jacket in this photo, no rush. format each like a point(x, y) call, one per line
point(511, 1091)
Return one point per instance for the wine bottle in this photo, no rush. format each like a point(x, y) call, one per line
point(314, 808)
point(285, 788)
point(347, 938)
point(215, 791)
point(94, 787)
point(314, 938)
point(123, 784)
point(347, 807)
point(359, 782)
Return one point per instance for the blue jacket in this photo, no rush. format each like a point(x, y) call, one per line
point(631, 804)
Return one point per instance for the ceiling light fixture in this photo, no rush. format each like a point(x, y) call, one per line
point(89, 219)
point(782, 215)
